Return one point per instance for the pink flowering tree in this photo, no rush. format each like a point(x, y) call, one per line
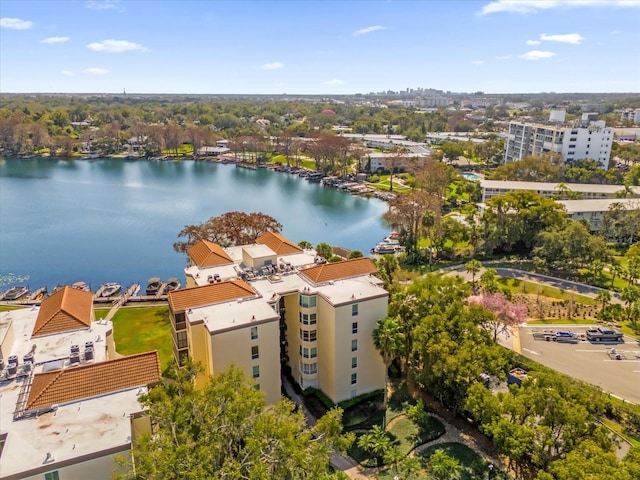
point(506, 315)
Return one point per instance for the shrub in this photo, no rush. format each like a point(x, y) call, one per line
point(373, 179)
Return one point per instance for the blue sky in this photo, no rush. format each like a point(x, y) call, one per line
point(319, 47)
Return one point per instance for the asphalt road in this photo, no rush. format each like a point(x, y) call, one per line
point(588, 361)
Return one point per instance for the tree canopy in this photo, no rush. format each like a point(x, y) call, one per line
point(227, 431)
point(231, 228)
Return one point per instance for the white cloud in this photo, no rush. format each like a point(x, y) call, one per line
point(573, 38)
point(615, 32)
point(67, 73)
point(503, 57)
point(533, 42)
point(115, 46)
point(272, 66)
point(477, 62)
point(335, 81)
point(102, 5)
point(15, 23)
point(364, 31)
point(535, 6)
point(55, 40)
point(96, 71)
point(537, 55)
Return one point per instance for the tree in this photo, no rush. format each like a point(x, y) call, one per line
point(355, 254)
point(473, 267)
point(388, 340)
point(444, 467)
point(227, 431)
point(231, 228)
point(387, 267)
point(376, 442)
point(506, 315)
point(538, 168)
point(513, 222)
point(324, 250)
point(603, 297)
point(630, 295)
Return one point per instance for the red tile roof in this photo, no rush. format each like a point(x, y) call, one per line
point(278, 243)
point(92, 380)
point(66, 309)
point(208, 254)
point(181, 300)
point(339, 270)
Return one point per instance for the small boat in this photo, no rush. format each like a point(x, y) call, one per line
point(110, 289)
point(384, 248)
point(172, 284)
point(15, 293)
point(153, 285)
point(81, 286)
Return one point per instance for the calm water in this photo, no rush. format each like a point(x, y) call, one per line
point(116, 221)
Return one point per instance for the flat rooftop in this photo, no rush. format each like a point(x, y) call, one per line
point(550, 186)
point(72, 430)
point(598, 204)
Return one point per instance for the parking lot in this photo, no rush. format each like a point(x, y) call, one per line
point(587, 361)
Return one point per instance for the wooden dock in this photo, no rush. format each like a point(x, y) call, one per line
point(122, 299)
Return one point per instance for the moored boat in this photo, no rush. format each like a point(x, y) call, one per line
point(15, 293)
point(153, 285)
point(172, 284)
point(81, 286)
point(110, 289)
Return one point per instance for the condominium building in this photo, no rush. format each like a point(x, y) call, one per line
point(593, 210)
point(630, 115)
point(491, 188)
point(69, 405)
point(272, 308)
point(572, 142)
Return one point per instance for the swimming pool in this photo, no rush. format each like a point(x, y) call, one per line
point(471, 176)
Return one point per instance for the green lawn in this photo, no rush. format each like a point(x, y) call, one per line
point(6, 308)
point(141, 329)
point(407, 435)
point(634, 440)
point(524, 286)
point(469, 459)
point(561, 321)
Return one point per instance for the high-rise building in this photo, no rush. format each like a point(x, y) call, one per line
point(581, 141)
point(272, 308)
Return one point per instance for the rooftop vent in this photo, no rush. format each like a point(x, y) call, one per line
point(75, 349)
point(74, 359)
point(49, 457)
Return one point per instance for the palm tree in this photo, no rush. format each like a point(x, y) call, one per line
point(630, 295)
point(604, 296)
point(444, 467)
point(376, 442)
point(617, 270)
point(388, 340)
point(473, 267)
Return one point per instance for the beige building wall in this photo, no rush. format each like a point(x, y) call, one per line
point(199, 349)
point(370, 367)
point(190, 282)
point(110, 345)
point(327, 361)
point(100, 468)
point(7, 336)
point(293, 336)
point(233, 347)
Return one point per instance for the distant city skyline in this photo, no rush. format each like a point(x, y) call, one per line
point(318, 47)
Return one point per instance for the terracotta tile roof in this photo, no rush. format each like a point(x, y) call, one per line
point(93, 379)
point(181, 300)
point(338, 270)
point(278, 243)
point(67, 309)
point(208, 254)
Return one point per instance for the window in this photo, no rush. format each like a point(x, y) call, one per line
point(354, 345)
point(256, 371)
point(254, 333)
point(354, 362)
point(308, 301)
point(181, 338)
point(308, 318)
point(310, 368)
point(256, 386)
point(52, 476)
point(308, 335)
point(354, 309)
point(309, 352)
point(354, 327)
point(354, 378)
point(254, 352)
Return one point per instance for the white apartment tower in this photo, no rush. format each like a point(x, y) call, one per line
point(572, 142)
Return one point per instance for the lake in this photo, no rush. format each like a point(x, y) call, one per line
point(111, 220)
